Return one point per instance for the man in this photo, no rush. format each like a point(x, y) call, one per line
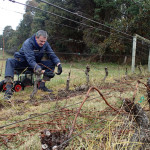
point(30, 55)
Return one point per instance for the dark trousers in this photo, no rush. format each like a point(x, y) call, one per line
point(12, 64)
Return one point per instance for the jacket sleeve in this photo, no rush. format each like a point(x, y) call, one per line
point(52, 56)
point(29, 54)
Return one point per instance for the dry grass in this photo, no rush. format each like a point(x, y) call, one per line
point(110, 132)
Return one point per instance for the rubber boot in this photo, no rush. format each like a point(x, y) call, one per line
point(8, 92)
point(43, 87)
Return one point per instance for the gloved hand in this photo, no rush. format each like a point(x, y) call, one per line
point(38, 71)
point(59, 71)
point(49, 74)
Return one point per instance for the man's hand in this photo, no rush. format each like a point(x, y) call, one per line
point(59, 71)
point(38, 71)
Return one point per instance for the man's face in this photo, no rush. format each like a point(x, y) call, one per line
point(41, 40)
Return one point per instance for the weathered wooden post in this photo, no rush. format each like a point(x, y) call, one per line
point(139, 67)
point(68, 81)
point(126, 74)
point(87, 70)
point(106, 74)
point(149, 59)
point(35, 88)
point(53, 140)
point(148, 91)
point(133, 53)
point(141, 137)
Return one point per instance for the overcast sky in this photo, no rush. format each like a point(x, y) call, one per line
point(11, 14)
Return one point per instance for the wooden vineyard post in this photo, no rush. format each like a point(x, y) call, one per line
point(106, 73)
point(87, 75)
point(142, 129)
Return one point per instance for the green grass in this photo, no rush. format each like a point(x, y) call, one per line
point(4, 55)
point(99, 135)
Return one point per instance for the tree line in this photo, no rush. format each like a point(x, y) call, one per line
point(107, 26)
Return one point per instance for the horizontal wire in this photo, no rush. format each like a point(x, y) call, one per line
point(12, 11)
point(83, 17)
point(67, 18)
point(54, 14)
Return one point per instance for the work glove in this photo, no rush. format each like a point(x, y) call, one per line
point(59, 71)
point(38, 71)
point(49, 74)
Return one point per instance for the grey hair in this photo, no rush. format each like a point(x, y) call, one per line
point(41, 33)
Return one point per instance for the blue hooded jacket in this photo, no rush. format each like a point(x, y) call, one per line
point(32, 53)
